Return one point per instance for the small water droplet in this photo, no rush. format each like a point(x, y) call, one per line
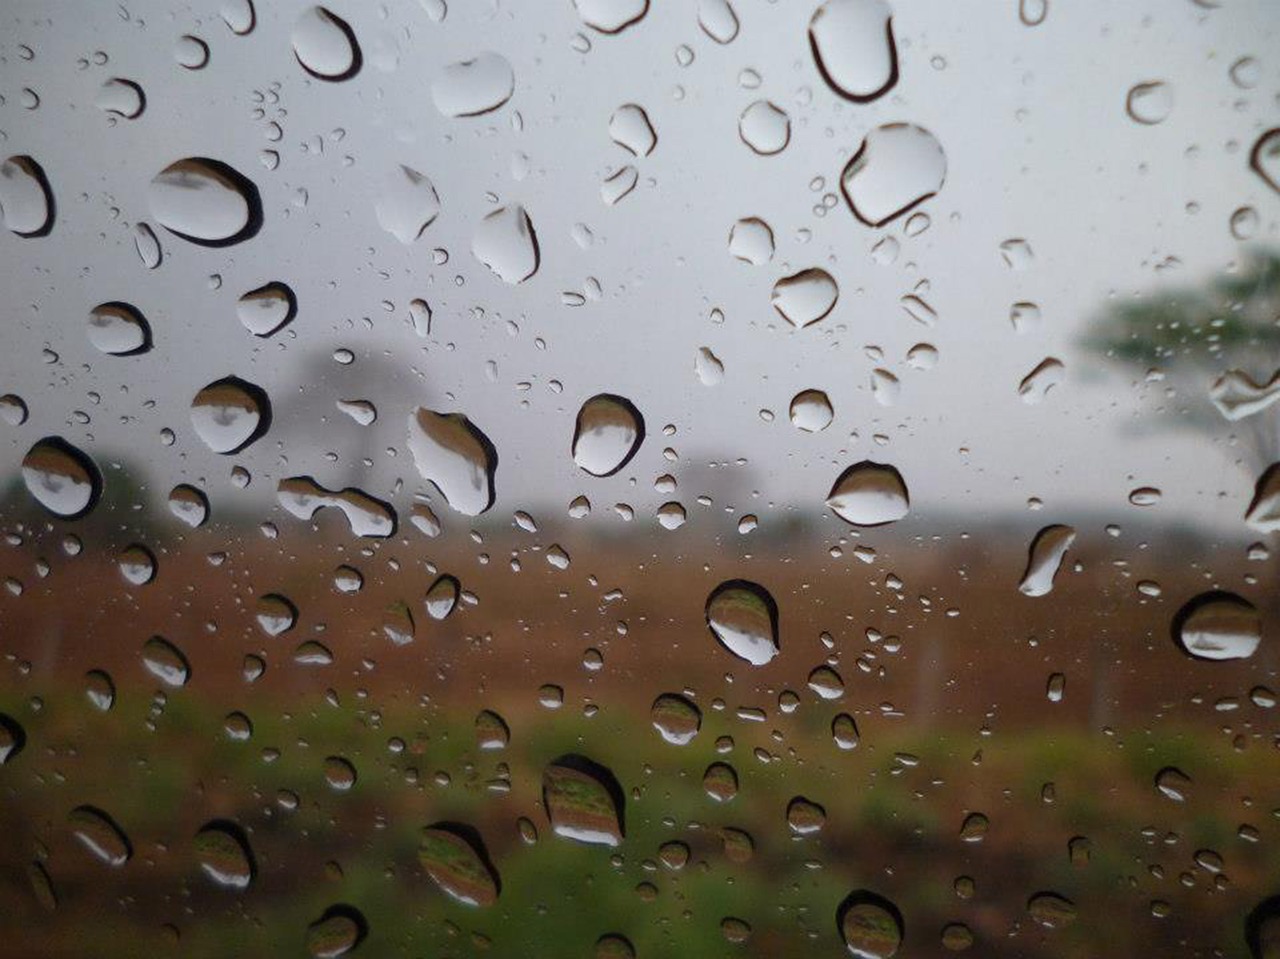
point(223, 853)
point(165, 662)
point(1149, 103)
point(675, 718)
point(267, 309)
point(610, 16)
point(765, 128)
point(630, 128)
point(118, 329)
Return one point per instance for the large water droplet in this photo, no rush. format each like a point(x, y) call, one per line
point(118, 329)
point(62, 478)
point(12, 738)
point(267, 309)
point(26, 200)
point(720, 782)
point(190, 52)
point(407, 204)
point(325, 45)
point(451, 452)
point(229, 414)
point(1263, 513)
point(583, 801)
point(765, 127)
point(870, 925)
point(1149, 103)
point(1044, 557)
point(869, 494)
point(223, 853)
point(469, 88)
point(165, 662)
point(455, 859)
point(610, 16)
point(98, 833)
point(805, 297)
point(303, 496)
point(205, 201)
point(718, 20)
point(811, 411)
point(1218, 625)
point(744, 618)
point(506, 243)
point(608, 431)
point(897, 168)
point(853, 47)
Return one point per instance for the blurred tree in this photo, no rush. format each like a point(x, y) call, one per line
point(1217, 346)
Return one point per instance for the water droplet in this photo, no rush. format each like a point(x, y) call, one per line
point(1149, 103)
point(1245, 73)
point(751, 241)
point(267, 309)
point(339, 773)
point(62, 478)
point(583, 801)
point(454, 857)
point(631, 129)
point(275, 614)
point(1244, 223)
point(1265, 158)
point(238, 15)
point(136, 564)
point(765, 127)
point(451, 452)
point(675, 718)
point(957, 937)
point(223, 853)
point(12, 738)
point(338, 931)
point(13, 409)
point(1051, 910)
point(720, 782)
point(610, 16)
point(826, 682)
point(619, 184)
point(869, 494)
point(442, 597)
point(608, 431)
point(118, 329)
point(743, 617)
point(811, 411)
point(1044, 557)
point(885, 387)
point(1262, 929)
point(407, 204)
point(1035, 386)
point(853, 47)
point(898, 167)
point(805, 816)
point(1263, 513)
point(205, 201)
point(302, 496)
point(42, 886)
point(165, 662)
point(491, 730)
point(506, 243)
point(189, 505)
point(469, 88)
point(99, 834)
point(122, 98)
point(1033, 12)
point(99, 689)
point(718, 20)
point(191, 52)
point(922, 356)
point(325, 45)
point(805, 297)
point(974, 828)
point(1218, 625)
point(870, 926)
point(230, 414)
point(148, 247)
point(26, 200)
point(708, 367)
point(844, 730)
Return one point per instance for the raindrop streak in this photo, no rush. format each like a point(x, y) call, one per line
point(230, 414)
point(583, 801)
point(675, 718)
point(751, 241)
point(811, 411)
point(206, 202)
point(607, 433)
point(338, 931)
point(1264, 159)
point(189, 505)
point(610, 16)
point(469, 88)
point(765, 127)
point(407, 204)
point(507, 244)
point(629, 127)
point(325, 45)
point(122, 98)
point(454, 857)
point(743, 617)
point(853, 47)
point(1149, 103)
point(302, 496)
point(1044, 557)
point(451, 452)
point(223, 853)
point(26, 200)
point(869, 494)
point(99, 834)
point(1035, 386)
point(267, 309)
point(805, 297)
point(870, 925)
point(165, 662)
point(118, 329)
point(63, 479)
point(898, 167)
point(1218, 625)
